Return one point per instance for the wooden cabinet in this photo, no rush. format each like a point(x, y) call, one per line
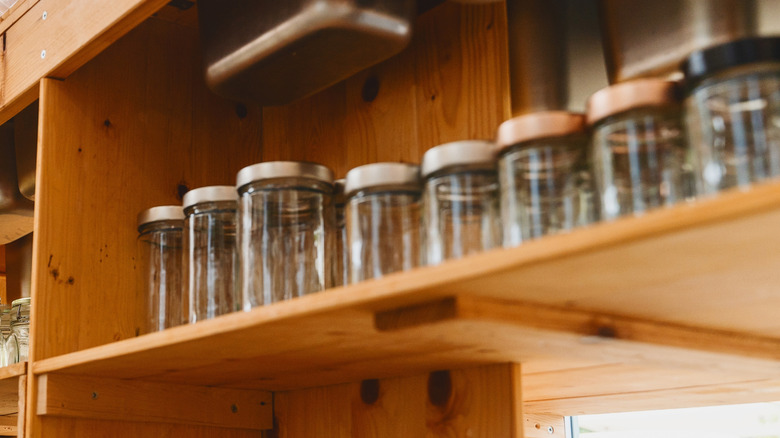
point(675, 308)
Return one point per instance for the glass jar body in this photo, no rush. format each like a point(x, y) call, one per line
point(160, 259)
point(640, 160)
point(282, 239)
point(210, 259)
point(460, 213)
point(336, 235)
point(546, 188)
point(383, 232)
point(17, 345)
point(734, 126)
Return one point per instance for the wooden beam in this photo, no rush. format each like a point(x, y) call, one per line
point(62, 395)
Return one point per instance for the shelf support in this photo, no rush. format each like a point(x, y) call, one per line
point(63, 395)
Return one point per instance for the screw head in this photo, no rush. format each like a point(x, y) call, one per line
point(94, 396)
point(45, 15)
point(550, 430)
point(43, 54)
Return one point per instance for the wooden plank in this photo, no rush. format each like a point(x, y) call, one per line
point(13, 370)
point(71, 34)
point(111, 399)
point(8, 425)
point(21, 419)
point(475, 402)
point(544, 425)
point(15, 12)
point(450, 84)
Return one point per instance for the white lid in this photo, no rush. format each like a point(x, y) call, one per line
point(161, 213)
point(209, 194)
point(382, 174)
point(459, 153)
point(284, 169)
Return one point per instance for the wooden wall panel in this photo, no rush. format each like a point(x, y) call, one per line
point(133, 128)
point(450, 84)
point(483, 402)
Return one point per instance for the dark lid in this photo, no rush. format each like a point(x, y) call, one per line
point(711, 60)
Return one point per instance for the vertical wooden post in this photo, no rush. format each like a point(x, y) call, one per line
point(483, 402)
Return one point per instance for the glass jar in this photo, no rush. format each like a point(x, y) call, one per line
point(640, 155)
point(733, 112)
point(18, 343)
point(383, 219)
point(544, 175)
point(5, 331)
point(160, 257)
point(282, 230)
point(210, 251)
point(460, 201)
point(337, 237)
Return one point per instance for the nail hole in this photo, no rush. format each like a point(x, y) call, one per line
point(370, 89)
point(233, 408)
point(241, 110)
point(369, 391)
point(94, 396)
point(439, 388)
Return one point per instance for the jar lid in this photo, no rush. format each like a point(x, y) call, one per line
point(339, 196)
point(459, 153)
point(629, 95)
point(209, 194)
point(283, 169)
point(160, 213)
point(21, 302)
point(711, 60)
point(535, 126)
point(382, 174)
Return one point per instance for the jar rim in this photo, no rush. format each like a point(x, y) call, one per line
point(539, 125)
point(160, 213)
point(382, 174)
point(209, 194)
point(710, 60)
point(630, 95)
point(458, 153)
point(284, 169)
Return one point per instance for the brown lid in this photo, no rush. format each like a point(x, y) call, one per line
point(539, 125)
point(629, 95)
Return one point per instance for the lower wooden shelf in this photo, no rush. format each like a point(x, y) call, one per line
point(676, 308)
point(13, 384)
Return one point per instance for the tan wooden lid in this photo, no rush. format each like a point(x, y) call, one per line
point(539, 125)
point(629, 95)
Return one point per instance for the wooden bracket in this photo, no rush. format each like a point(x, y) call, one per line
point(63, 395)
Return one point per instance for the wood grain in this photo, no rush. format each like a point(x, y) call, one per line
point(475, 402)
point(69, 36)
point(450, 84)
point(122, 400)
point(133, 128)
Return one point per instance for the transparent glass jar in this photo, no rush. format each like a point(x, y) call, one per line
point(5, 331)
point(640, 155)
point(160, 255)
point(546, 182)
point(210, 251)
point(383, 219)
point(337, 237)
point(733, 112)
point(282, 230)
point(460, 200)
point(18, 343)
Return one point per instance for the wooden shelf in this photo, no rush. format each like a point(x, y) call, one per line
point(13, 383)
point(673, 305)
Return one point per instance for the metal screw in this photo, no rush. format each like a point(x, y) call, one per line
point(550, 430)
point(233, 408)
point(43, 54)
point(94, 396)
point(45, 15)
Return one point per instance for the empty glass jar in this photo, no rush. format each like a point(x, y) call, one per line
point(18, 343)
point(337, 236)
point(546, 183)
point(210, 251)
point(733, 112)
point(383, 219)
point(639, 150)
point(460, 201)
point(282, 230)
point(160, 257)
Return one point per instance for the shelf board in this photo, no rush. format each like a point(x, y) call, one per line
point(678, 306)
